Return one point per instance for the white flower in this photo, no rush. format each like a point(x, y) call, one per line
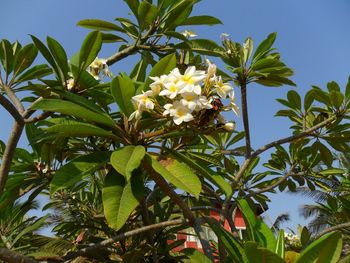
point(211, 71)
point(171, 89)
point(99, 66)
point(188, 33)
point(229, 126)
point(233, 104)
point(70, 83)
point(190, 99)
point(159, 83)
point(191, 79)
point(224, 36)
point(143, 101)
point(203, 103)
point(181, 113)
point(222, 89)
point(168, 109)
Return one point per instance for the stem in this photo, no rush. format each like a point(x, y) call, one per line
point(10, 108)
point(262, 149)
point(15, 100)
point(14, 257)
point(245, 117)
point(124, 236)
point(332, 228)
point(9, 153)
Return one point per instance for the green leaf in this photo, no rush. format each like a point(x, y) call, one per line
point(257, 254)
point(35, 72)
point(127, 159)
point(280, 244)
point(147, 13)
point(70, 128)
point(179, 174)
point(89, 49)
point(304, 236)
point(139, 71)
point(123, 89)
point(178, 14)
point(233, 247)
point(195, 256)
point(111, 38)
point(213, 177)
point(347, 89)
point(332, 171)
point(202, 46)
point(120, 198)
point(100, 25)
point(337, 98)
point(24, 58)
point(78, 168)
point(59, 55)
point(163, 66)
point(294, 99)
point(31, 228)
point(309, 99)
point(133, 5)
point(257, 229)
point(46, 53)
point(6, 55)
point(69, 108)
point(201, 20)
point(265, 45)
point(326, 249)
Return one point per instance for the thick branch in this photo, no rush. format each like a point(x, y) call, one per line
point(14, 257)
point(120, 55)
point(15, 100)
point(10, 108)
point(124, 236)
point(9, 154)
point(333, 228)
point(245, 118)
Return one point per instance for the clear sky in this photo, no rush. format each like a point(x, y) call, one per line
point(313, 38)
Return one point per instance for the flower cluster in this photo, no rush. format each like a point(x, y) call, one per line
point(99, 67)
point(186, 97)
point(96, 69)
point(292, 241)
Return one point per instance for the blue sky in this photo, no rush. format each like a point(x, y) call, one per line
point(313, 38)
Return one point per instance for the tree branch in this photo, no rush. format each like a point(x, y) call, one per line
point(245, 117)
point(332, 228)
point(15, 100)
point(10, 108)
point(264, 148)
point(9, 153)
point(124, 236)
point(14, 257)
point(120, 55)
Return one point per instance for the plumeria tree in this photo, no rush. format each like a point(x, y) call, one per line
point(127, 160)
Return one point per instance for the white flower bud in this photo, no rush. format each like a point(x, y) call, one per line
point(229, 126)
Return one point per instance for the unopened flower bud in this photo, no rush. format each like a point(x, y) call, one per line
point(229, 126)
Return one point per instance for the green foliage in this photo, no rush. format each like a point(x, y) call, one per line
point(98, 165)
point(120, 198)
point(127, 159)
